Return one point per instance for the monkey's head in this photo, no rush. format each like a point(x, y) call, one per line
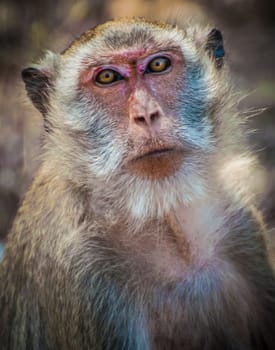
point(134, 109)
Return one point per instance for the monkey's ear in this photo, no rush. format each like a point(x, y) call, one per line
point(37, 83)
point(39, 80)
point(214, 47)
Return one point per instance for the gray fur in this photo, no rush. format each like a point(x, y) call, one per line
point(91, 263)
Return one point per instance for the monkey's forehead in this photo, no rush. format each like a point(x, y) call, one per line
point(126, 32)
point(128, 35)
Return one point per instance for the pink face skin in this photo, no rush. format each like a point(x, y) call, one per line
point(141, 102)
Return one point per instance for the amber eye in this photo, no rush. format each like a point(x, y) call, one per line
point(158, 65)
point(108, 76)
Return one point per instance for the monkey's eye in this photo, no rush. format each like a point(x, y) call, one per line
point(108, 76)
point(158, 65)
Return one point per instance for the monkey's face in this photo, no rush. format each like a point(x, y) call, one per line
point(134, 101)
point(138, 90)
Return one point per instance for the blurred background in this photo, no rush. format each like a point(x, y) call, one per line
point(29, 27)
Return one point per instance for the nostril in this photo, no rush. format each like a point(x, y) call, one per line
point(154, 116)
point(140, 120)
point(147, 119)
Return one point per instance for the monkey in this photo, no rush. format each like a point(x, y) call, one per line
point(140, 230)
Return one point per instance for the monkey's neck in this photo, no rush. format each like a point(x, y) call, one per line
point(177, 230)
point(198, 229)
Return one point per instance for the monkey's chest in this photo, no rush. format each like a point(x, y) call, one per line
point(211, 299)
point(190, 297)
point(184, 293)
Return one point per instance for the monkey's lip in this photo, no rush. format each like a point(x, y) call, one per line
point(156, 153)
point(156, 163)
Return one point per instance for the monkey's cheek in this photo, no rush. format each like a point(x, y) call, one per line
point(156, 166)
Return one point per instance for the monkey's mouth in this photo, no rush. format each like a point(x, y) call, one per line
point(156, 163)
point(155, 153)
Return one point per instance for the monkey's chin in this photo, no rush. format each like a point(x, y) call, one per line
point(156, 164)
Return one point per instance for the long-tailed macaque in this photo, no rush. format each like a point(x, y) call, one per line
point(139, 231)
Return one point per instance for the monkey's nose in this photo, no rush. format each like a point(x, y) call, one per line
point(144, 113)
point(147, 119)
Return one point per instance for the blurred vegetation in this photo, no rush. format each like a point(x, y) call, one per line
point(29, 27)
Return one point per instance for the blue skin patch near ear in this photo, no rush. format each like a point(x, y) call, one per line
point(219, 52)
point(214, 47)
point(1, 251)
